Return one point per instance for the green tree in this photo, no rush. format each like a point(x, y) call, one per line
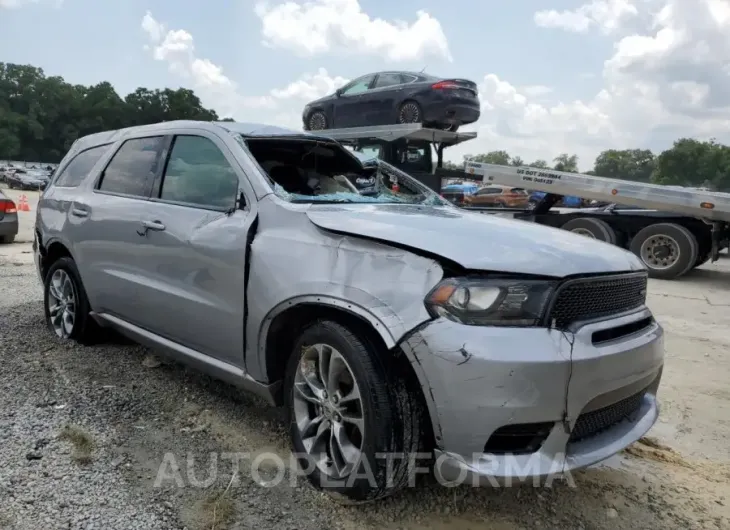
point(566, 162)
point(540, 164)
point(517, 161)
point(694, 163)
point(500, 158)
point(41, 116)
point(627, 164)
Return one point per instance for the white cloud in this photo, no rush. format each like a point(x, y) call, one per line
point(604, 15)
point(671, 79)
point(176, 48)
point(319, 26)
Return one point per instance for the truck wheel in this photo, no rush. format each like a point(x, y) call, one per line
point(591, 227)
point(702, 259)
point(347, 410)
point(668, 250)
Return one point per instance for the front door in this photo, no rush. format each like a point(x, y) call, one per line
point(195, 242)
point(352, 106)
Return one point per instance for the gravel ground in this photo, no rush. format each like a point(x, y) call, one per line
point(84, 433)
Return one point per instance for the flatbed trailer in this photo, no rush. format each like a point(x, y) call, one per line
point(673, 230)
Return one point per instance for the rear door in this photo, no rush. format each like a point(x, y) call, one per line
point(384, 96)
point(105, 220)
point(193, 248)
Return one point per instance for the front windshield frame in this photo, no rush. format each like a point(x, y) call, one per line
point(424, 195)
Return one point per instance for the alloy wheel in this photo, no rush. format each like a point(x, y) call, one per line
point(317, 122)
point(62, 303)
point(409, 113)
point(328, 411)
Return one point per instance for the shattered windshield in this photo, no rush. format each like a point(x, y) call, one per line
point(316, 172)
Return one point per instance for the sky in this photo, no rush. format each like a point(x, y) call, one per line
point(554, 76)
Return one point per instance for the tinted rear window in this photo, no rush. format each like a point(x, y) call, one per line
point(80, 166)
point(132, 169)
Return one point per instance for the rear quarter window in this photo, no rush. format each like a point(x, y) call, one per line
point(76, 171)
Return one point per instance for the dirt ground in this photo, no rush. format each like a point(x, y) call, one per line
point(135, 410)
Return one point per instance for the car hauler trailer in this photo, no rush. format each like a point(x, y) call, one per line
point(409, 147)
point(672, 229)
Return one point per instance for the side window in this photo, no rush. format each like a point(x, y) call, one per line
point(385, 80)
point(360, 85)
point(133, 168)
point(406, 78)
point(76, 170)
point(489, 191)
point(198, 173)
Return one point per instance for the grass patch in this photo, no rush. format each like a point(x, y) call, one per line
point(82, 442)
point(217, 511)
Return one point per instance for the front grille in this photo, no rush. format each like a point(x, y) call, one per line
point(592, 298)
point(596, 421)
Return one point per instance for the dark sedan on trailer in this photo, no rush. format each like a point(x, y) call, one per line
point(386, 98)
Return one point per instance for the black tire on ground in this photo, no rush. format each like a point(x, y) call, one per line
point(702, 259)
point(392, 413)
point(317, 121)
point(6, 240)
point(410, 112)
point(686, 252)
point(591, 227)
point(84, 329)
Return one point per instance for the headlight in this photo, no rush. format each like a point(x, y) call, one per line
point(491, 302)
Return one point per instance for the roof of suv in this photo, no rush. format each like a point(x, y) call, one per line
point(244, 129)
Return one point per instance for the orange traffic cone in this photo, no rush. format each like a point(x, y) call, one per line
point(23, 204)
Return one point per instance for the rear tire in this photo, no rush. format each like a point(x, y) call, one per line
point(668, 250)
point(593, 228)
point(410, 112)
point(389, 412)
point(6, 240)
point(63, 294)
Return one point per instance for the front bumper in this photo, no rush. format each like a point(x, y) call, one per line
point(483, 379)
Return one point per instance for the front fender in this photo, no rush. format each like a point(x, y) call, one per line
point(384, 285)
point(381, 317)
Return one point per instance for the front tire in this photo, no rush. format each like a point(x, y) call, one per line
point(347, 410)
point(317, 121)
point(66, 305)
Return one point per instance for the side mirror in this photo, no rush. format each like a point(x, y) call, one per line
point(338, 92)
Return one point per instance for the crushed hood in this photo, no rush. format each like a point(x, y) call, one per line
point(477, 241)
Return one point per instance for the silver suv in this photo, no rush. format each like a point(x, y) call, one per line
point(387, 322)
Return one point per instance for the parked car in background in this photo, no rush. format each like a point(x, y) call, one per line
point(31, 179)
point(498, 196)
point(8, 219)
point(456, 193)
point(386, 324)
point(385, 98)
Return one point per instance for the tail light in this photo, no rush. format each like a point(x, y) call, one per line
point(445, 85)
point(7, 206)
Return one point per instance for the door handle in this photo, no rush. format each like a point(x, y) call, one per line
point(150, 225)
point(78, 212)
